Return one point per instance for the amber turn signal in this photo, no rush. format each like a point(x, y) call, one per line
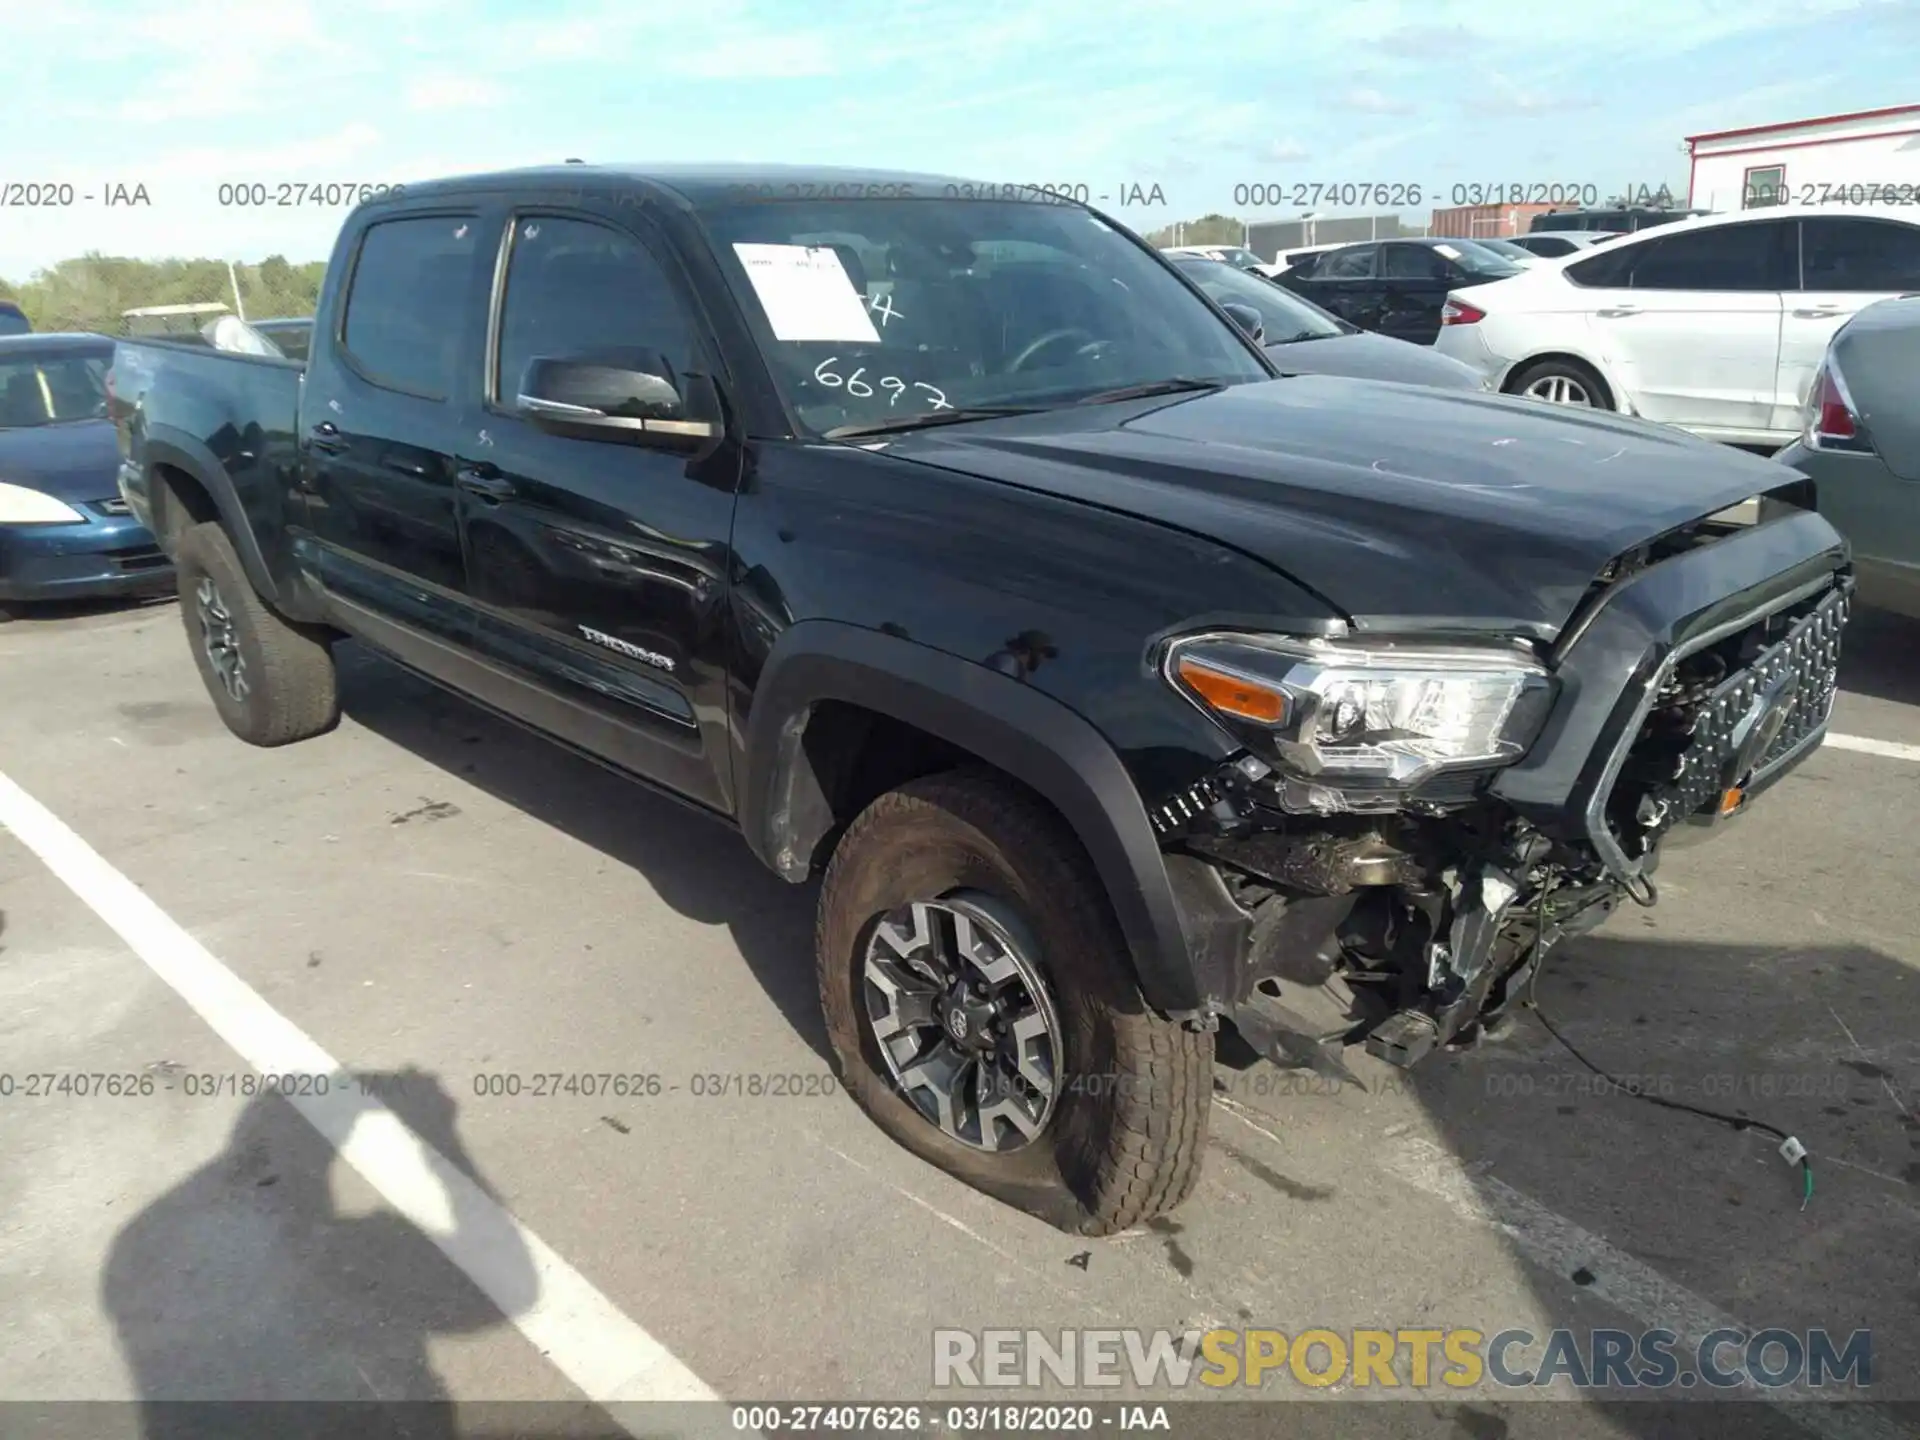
point(1233, 694)
point(1732, 799)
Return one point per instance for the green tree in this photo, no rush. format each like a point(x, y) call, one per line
point(1210, 229)
point(93, 291)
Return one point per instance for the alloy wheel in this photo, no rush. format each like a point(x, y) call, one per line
point(964, 1019)
point(218, 639)
point(1559, 390)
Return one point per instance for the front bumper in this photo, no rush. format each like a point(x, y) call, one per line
point(104, 556)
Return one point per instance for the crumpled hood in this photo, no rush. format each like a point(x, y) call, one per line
point(1398, 504)
point(72, 462)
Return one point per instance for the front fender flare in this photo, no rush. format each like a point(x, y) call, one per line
point(1028, 734)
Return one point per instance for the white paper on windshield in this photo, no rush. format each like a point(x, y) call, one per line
point(1448, 251)
point(807, 293)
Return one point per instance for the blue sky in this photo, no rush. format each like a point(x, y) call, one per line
point(181, 95)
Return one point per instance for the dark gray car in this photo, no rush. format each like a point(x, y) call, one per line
point(1304, 339)
point(1861, 446)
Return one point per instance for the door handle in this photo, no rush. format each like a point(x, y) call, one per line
point(487, 484)
point(1614, 312)
point(326, 437)
point(1818, 312)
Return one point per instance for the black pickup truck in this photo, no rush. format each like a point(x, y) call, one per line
point(949, 543)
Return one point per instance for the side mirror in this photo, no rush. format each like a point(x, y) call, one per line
point(632, 403)
point(1247, 318)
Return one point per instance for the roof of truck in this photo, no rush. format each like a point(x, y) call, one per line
point(701, 184)
point(55, 340)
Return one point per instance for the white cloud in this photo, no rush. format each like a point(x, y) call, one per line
point(1287, 152)
point(1369, 101)
point(453, 92)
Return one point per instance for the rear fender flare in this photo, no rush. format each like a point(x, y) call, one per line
point(1022, 731)
point(182, 452)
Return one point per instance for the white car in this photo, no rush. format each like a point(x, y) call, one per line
point(1553, 244)
point(1236, 255)
point(1715, 324)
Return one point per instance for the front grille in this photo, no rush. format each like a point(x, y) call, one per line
point(1729, 712)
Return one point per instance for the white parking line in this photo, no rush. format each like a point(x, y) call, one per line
point(586, 1336)
point(1888, 748)
point(1558, 1245)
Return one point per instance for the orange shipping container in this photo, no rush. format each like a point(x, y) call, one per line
point(1493, 221)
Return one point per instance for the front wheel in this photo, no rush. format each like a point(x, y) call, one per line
point(983, 1011)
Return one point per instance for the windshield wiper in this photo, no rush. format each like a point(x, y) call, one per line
point(1177, 385)
point(932, 417)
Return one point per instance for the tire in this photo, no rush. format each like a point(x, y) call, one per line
point(1571, 374)
point(287, 687)
point(1123, 1140)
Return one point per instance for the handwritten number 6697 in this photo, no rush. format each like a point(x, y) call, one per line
point(860, 389)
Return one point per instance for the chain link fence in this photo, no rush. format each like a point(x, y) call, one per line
point(110, 295)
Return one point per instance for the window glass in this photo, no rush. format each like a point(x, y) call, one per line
point(1724, 257)
point(581, 291)
point(1413, 262)
point(1284, 316)
point(13, 321)
point(1612, 269)
point(1766, 185)
point(53, 388)
point(1355, 263)
point(1857, 254)
point(407, 302)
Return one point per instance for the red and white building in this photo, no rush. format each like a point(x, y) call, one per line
point(1867, 157)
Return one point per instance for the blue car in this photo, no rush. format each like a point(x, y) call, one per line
point(65, 533)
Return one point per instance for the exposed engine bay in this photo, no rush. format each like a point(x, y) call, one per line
point(1415, 928)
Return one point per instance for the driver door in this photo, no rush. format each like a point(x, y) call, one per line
point(598, 570)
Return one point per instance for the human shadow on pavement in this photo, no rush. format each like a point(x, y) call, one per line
point(697, 865)
point(246, 1303)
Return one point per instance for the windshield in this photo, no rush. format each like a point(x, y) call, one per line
point(1240, 257)
point(1283, 315)
point(1507, 249)
point(13, 321)
point(1476, 259)
point(52, 389)
point(883, 310)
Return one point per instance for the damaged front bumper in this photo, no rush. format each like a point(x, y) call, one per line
point(1684, 690)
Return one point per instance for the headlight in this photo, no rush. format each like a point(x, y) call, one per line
point(1366, 722)
point(21, 506)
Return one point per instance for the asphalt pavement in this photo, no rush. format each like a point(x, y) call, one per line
point(469, 919)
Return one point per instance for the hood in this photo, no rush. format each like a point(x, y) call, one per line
point(1402, 506)
point(75, 461)
point(1367, 356)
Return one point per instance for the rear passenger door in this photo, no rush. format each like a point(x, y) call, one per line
point(1846, 263)
point(382, 420)
point(1697, 336)
point(599, 568)
point(1414, 280)
point(1344, 283)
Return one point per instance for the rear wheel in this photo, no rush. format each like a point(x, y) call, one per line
point(271, 680)
point(1562, 382)
point(983, 1011)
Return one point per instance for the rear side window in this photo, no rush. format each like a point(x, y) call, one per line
point(1414, 262)
point(1857, 254)
point(1748, 257)
point(1611, 269)
point(1354, 264)
point(407, 302)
